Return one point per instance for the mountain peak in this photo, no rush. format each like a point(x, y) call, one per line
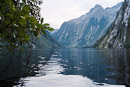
point(118, 36)
point(98, 6)
point(87, 29)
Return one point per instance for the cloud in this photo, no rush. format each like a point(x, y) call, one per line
point(56, 12)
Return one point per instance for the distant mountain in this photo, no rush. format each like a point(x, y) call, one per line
point(118, 35)
point(45, 42)
point(87, 29)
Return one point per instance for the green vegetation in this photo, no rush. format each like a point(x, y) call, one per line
point(19, 21)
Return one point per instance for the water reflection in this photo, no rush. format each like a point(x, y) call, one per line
point(85, 62)
point(52, 67)
point(12, 68)
point(99, 67)
point(58, 80)
point(119, 60)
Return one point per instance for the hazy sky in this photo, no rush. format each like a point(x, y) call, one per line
point(55, 12)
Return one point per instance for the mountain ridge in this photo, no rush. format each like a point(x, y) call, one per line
point(85, 30)
point(118, 35)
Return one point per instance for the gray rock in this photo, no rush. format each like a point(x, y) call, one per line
point(87, 29)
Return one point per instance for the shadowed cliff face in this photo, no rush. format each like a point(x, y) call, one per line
point(118, 35)
point(87, 29)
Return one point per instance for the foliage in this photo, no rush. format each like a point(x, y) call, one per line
point(19, 20)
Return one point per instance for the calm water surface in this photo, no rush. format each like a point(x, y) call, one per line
point(69, 68)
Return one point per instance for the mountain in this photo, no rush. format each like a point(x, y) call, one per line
point(87, 29)
point(118, 35)
point(45, 42)
point(54, 31)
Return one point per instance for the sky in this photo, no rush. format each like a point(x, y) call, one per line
point(55, 12)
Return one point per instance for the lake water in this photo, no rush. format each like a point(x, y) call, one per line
point(83, 67)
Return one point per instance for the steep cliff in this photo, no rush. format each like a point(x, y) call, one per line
point(118, 35)
point(87, 29)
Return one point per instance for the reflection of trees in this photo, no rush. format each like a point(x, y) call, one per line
point(119, 61)
point(13, 68)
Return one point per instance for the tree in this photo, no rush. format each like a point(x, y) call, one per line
point(19, 20)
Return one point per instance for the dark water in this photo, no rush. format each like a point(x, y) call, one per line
point(20, 65)
point(110, 66)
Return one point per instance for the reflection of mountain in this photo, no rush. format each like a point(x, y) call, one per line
point(119, 61)
point(13, 68)
point(102, 66)
point(85, 30)
point(90, 63)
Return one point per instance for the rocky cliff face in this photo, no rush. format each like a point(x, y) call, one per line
point(87, 29)
point(118, 35)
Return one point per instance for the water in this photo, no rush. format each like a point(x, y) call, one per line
point(71, 68)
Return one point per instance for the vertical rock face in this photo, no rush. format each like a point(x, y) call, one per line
point(87, 29)
point(118, 35)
